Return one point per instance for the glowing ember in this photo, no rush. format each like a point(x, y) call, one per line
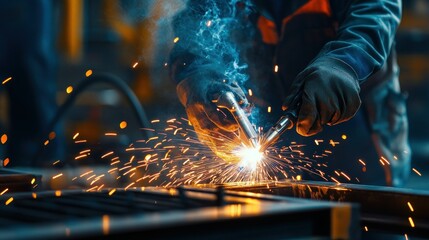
point(9, 201)
point(69, 89)
point(3, 139)
point(417, 172)
point(411, 207)
point(75, 136)
point(411, 222)
point(88, 73)
point(123, 124)
point(4, 191)
point(6, 162)
point(7, 80)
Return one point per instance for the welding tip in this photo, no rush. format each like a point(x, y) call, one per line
point(285, 122)
point(227, 100)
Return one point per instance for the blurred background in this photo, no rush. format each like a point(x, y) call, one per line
point(131, 39)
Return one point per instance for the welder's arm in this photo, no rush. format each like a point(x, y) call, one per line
point(329, 87)
point(198, 69)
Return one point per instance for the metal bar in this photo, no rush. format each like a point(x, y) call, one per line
point(382, 208)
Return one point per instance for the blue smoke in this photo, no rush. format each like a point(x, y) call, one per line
point(217, 27)
point(214, 35)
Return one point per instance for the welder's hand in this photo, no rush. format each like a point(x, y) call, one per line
point(214, 127)
point(328, 92)
point(197, 96)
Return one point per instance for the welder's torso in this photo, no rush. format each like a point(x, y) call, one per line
point(287, 36)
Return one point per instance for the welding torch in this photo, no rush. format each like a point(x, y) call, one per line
point(227, 100)
point(287, 121)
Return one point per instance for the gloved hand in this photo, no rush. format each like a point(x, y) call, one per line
point(214, 127)
point(328, 93)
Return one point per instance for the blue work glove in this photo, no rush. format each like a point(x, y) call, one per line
point(327, 92)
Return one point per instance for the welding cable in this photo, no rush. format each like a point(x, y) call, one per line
point(100, 78)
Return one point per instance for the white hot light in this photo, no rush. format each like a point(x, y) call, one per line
point(250, 157)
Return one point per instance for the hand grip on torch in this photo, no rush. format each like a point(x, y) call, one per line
point(227, 100)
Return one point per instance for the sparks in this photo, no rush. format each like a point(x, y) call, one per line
point(123, 125)
point(417, 172)
point(410, 206)
point(9, 201)
point(111, 192)
point(3, 139)
point(88, 73)
point(4, 191)
point(57, 176)
point(411, 222)
point(7, 80)
point(111, 134)
point(69, 89)
point(6, 162)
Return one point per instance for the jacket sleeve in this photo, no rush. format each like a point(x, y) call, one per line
point(365, 35)
point(204, 45)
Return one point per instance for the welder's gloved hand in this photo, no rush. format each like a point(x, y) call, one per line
point(214, 127)
point(328, 93)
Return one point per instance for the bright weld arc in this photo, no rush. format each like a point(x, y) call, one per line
point(250, 157)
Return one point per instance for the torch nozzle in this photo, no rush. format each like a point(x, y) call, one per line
point(274, 133)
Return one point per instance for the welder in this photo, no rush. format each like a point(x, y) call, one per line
point(332, 60)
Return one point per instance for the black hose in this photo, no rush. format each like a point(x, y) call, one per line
point(106, 78)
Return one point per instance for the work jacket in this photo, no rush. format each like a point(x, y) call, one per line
point(263, 46)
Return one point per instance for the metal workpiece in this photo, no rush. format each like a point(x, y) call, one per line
point(227, 100)
point(385, 211)
point(173, 213)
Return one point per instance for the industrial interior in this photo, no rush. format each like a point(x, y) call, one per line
point(186, 119)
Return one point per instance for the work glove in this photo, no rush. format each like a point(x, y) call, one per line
point(215, 127)
point(326, 92)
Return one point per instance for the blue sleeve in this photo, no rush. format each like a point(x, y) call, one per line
point(365, 35)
